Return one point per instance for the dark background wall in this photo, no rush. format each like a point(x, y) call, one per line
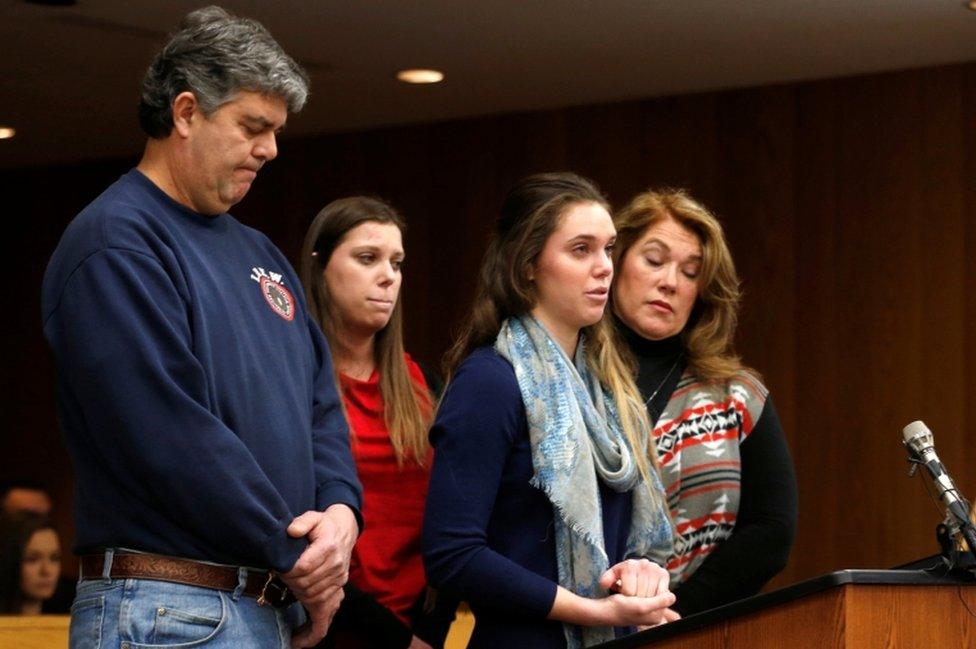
point(850, 205)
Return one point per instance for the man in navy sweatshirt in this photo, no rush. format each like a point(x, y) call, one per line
point(214, 480)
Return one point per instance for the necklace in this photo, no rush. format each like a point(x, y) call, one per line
point(650, 399)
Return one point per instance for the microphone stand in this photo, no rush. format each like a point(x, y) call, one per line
point(953, 527)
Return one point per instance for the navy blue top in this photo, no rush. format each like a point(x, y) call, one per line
point(195, 392)
point(488, 533)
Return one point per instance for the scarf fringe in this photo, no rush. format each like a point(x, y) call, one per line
point(588, 536)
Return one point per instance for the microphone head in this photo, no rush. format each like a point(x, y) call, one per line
point(918, 437)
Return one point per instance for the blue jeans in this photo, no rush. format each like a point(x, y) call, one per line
point(143, 614)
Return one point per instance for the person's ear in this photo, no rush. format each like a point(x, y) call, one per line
point(185, 110)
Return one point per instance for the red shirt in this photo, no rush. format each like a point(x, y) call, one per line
point(386, 561)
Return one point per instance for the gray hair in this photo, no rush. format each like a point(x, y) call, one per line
point(214, 55)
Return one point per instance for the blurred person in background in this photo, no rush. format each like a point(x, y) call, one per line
point(24, 496)
point(30, 564)
point(21, 495)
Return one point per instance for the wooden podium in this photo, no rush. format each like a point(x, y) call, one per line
point(849, 609)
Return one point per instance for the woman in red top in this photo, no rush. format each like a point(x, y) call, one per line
point(351, 268)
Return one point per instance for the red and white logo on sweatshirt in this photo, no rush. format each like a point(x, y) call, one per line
point(275, 294)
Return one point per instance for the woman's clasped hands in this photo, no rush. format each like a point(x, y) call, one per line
point(640, 594)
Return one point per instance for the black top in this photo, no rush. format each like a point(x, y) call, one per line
point(362, 622)
point(766, 525)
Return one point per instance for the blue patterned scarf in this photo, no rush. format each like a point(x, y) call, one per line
point(576, 436)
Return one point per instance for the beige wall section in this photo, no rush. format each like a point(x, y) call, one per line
point(851, 210)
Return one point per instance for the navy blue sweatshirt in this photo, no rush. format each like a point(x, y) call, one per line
point(195, 392)
point(488, 533)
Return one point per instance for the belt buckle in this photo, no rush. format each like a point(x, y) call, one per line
point(282, 594)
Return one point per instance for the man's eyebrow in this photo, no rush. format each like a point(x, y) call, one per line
point(263, 122)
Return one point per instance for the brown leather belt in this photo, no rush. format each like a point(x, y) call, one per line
point(262, 584)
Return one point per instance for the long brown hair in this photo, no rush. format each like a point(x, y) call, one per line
point(407, 407)
point(708, 336)
point(529, 215)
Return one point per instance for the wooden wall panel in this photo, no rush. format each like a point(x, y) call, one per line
point(881, 292)
point(964, 434)
point(849, 205)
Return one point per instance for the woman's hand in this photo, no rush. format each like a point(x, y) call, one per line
point(640, 578)
point(614, 610)
point(642, 598)
point(624, 610)
point(636, 578)
point(670, 615)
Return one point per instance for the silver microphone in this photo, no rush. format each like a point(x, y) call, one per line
point(921, 446)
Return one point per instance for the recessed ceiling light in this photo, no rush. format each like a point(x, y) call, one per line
point(7, 132)
point(420, 75)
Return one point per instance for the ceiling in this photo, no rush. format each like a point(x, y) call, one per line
point(71, 74)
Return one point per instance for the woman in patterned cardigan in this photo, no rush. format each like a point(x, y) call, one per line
point(724, 460)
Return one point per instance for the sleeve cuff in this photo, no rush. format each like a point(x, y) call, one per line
point(281, 550)
point(540, 596)
point(336, 493)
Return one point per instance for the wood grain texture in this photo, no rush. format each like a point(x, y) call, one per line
point(34, 631)
point(849, 205)
point(853, 616)
point(814, 622)
point(893, 616)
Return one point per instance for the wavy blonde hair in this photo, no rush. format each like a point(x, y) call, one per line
point(407, 407)
point(708, 336)
point(529, 215)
